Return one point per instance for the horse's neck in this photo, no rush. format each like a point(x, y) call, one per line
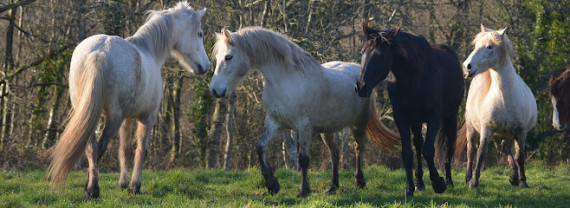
point(152, 42)
point(504, 76)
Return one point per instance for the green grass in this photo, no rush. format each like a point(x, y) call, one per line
point(201, 188)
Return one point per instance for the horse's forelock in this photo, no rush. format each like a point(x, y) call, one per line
point(496, 39)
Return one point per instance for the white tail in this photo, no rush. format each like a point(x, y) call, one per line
point(87, 107)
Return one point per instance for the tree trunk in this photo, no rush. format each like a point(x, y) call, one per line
point(229, 132)
point(176, 117)
point(215, 132)
point(8, 65)
point(51, 131)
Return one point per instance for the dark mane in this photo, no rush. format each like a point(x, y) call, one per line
point(415, 50)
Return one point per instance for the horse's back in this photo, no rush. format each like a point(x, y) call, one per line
point(119, 64)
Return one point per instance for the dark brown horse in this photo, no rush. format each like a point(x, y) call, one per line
point(425, 84)
point(559, 96)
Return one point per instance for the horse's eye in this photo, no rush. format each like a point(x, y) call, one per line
point(200, 34)
point(489, 46)
point(228, 57)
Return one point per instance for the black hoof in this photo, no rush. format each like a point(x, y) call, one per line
point(439, 185)
point(331, 191)
point(449, 182)
point(409, 193)
point(523, 184)
point(420, 188)
point(135, 189)
point(92, 193)
point(303, 193)
point(272, 186)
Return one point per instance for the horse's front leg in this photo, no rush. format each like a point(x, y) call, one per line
point(359, 132)
point(270, 130)
point(469, 134)
point(484, 138)
point(450, 130)
point(407, 153)
point(506, 146)
point(144, 129)
point(438, 183)
point(328, 139)
point(305, 133)
point(418, 143)
point(520, 157)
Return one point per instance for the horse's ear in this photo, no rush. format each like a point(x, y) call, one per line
point(502, 32)
point(227, 35)
point(551, 79)
point(367, 30)
point(397, 32)
point(201, 12)
point(483, 28)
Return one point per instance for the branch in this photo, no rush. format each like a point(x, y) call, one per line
point(5, 7)
point(34, 63)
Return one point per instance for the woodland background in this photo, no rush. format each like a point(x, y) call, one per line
point(194, 130)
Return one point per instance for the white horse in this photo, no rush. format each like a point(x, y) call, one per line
point(499, 103)
point(121, 79)
point(298, 94)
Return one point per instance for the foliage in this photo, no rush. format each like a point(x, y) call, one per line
point(245, 188)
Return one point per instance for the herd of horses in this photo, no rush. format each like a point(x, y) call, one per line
point(120, 78)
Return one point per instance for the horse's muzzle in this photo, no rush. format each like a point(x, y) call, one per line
point(218, 94)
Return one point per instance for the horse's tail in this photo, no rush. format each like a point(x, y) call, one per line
point(83, 120)
point(460, 143)
point(377, 132)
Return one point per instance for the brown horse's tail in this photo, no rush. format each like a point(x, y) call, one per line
point(460, 143)
point(84, 116)
point(378, 133)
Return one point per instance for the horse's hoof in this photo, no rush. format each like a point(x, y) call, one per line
point(421, 187)
point(409, 193)
point(514, 181)
point(273, 186)
point(92, 193)
point(135, 189)
point(123, 186)
point(331, 191)
point(439, 185)
point(449, 182)
point(360, 182)
point(303, 193)
point(523, 184)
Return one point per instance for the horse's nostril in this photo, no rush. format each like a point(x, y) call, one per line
point(468, 66)
point(200, 68)
point(214, 92)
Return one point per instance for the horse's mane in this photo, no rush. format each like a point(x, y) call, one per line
point(557, 86)
point(263, 45)
point(154, 35)
point(414, 49)
point(495, 38)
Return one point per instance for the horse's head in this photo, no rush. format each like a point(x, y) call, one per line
point(491, 47)
point(558, 97)
point(232, 65)
point(377, 59)
point(188, 38)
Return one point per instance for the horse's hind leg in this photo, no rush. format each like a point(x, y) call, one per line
point(450, 130)
point(270, 130)
point(112, 125)
point(359, 142)
point(506, 146)
point(520, 157)
point(328, 139)
point(124, 151)
point(144, 128)
point(481, 152)
point(438, 183)
point(418, 143)
point(92, 184)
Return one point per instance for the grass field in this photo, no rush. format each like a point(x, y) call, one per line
point(202, 188)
